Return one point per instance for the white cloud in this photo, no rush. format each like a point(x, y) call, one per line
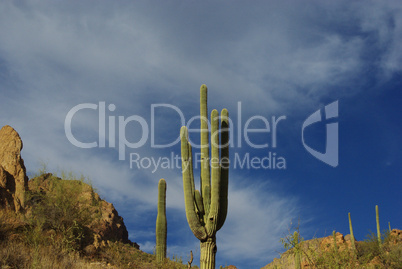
point(258, 217)
point(383, 20)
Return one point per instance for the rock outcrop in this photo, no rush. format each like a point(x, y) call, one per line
point(106, 224)
point(327, 243)
point(13, 179)
point(66, 208)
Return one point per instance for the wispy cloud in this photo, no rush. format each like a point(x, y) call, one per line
point(258, 217)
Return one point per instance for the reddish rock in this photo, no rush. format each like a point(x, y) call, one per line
point(13, 179)
point(395, 237)
point(111, 226)
point(327, 243)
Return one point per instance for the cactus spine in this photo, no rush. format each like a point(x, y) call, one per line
point(206, 209)
point(352, 237)
point(377, 217)
point(161, 223)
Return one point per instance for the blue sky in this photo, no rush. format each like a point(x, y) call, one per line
point(272, 58)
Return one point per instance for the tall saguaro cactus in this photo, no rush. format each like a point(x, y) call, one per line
point(206, 209)
point(161, 223)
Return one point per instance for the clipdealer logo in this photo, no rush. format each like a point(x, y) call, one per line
point(269, 160)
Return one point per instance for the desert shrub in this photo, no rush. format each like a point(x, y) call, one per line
point(335, 258)
point(14, 254)
point(60, 214)
point(125, 256)
point(368, 254)
point(389, 254)
point(368, 249)
point(392, 257)
point(17, 254)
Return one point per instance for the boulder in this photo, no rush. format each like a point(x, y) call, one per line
point(395, 237)
point(328, 243)
point(348, 237)
point(13, 178)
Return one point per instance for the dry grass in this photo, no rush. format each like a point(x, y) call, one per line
point(368, 253)
point(54, 234)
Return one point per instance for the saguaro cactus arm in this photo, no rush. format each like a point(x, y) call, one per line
point(189, 201)
point(215, 176)
point(199, 204)
point(205, 172)
point(224, 168)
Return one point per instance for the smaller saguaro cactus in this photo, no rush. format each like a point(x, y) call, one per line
point(377, 217)
point(336, 252)
point(389, 226)
point(161, 223)
point(352, 237)
point(334, 236)
point(297, 250)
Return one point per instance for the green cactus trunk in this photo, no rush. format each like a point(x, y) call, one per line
point(208, 252)
point(352, 237)
point(377, 217)
point(206, 209)
point(161, 223)
point(297, 250)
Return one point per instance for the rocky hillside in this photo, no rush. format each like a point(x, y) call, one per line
point(52, 221)
point(336, 251)
point(16, 189)
point(99, 216)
